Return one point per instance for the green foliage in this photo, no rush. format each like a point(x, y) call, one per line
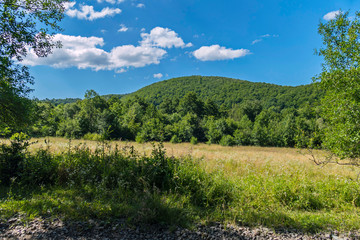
point(191, 104)
point(69, 129)
point(228, 92)
point(253, 121)
point(24, 25)
point(194, 140)
point(56, 102)
point(242, 135)
point(15, 109)
point(187, 128)
point(339, 80)
point(249, 108)
point(135, 119)
point(12, 157)
point(175, 139)
point(227, 140)
point(93, 137)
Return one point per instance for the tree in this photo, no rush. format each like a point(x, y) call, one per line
point(24, 25)
point(340, 78)
point(14, 109)
point(190, 103)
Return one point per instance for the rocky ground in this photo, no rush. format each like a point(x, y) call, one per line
point(57, 229)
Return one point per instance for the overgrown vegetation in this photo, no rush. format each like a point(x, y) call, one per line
point(111, 182)
point(259, 119)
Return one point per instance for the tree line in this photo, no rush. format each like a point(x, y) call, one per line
point(186, 119)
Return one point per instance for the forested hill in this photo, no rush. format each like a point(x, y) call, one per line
point(221, 90)
point(229, 91)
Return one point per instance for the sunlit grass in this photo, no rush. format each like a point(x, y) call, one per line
point(233, 160)
point(274, 187)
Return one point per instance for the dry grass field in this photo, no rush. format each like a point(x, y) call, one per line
point(232, 160)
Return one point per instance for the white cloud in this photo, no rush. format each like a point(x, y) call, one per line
point(215, 52)
point(123, 28)
point(68, 5)
point(256, 41)
point(88, 13)
point(265, 35)
point(331, 15)
point(163, 37)
point(131, 56)
point(84, 52)
point(140, 5)
point(110, 1)
point(88, 53)
point(261, 38)
point(81, 52)
point(158, 75)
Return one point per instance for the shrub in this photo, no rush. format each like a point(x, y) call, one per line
point(12, 156)
point(93, 137)
point(175, 139)
point(227, 140)
point(141, 137)
point(38, 169)
point(194, 140)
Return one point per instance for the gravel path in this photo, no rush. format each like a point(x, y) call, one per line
point(57, 229)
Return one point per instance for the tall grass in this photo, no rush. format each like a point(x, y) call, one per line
point(111, 182)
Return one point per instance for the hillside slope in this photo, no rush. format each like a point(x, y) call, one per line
point(229, 91)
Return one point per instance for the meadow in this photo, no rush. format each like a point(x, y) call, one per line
point(183, 184)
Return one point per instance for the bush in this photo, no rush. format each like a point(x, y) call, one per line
point(38, 169)
point(242, 137)
point(93, 137)
point(175, 139)
point(141, 138)
point(227, 140)
point(194, 140)
point(12, 157)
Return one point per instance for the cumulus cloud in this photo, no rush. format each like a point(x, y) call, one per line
point(140, 5)
point(163, 37)
point(87, 12)
point(81, 52)
point(135, 56)
point(216, 52)
point(123, 28)
point(331, 15)
point(158, 75)
point(85, 52)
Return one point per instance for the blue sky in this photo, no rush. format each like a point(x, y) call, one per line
point(119, 46)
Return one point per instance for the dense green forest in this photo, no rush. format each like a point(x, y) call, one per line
point(228, 91)
point(189, 109)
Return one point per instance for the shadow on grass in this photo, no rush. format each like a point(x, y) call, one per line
point(124, 209)
point(86, 204)
point(282, 222)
